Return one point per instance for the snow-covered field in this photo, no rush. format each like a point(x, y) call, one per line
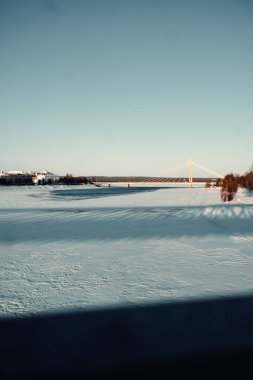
point(86, 247)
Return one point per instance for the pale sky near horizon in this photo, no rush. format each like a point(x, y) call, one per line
point(113, 87)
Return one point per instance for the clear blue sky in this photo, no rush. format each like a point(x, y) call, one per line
point(133, 87)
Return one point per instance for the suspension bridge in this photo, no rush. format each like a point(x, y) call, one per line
point(186, 179)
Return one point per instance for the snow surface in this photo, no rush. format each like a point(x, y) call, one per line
point(64, 252)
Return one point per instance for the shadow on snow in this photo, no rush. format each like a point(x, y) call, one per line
point(83, 224)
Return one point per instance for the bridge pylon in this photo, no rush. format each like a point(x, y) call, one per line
point(190, 172)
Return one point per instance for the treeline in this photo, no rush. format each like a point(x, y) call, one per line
point(68, 179)
point(232, 182)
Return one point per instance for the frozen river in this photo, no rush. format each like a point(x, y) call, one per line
point(87, 247)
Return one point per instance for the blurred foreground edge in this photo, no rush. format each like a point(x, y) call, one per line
point(172, 340)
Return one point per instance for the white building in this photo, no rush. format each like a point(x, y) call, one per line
point(15, 172)
point(39, 177)
point(44, 177)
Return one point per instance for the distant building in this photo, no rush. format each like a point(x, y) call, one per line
point(45, 177)
point(16, 172)
point(27, 177)
point(18, 179)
